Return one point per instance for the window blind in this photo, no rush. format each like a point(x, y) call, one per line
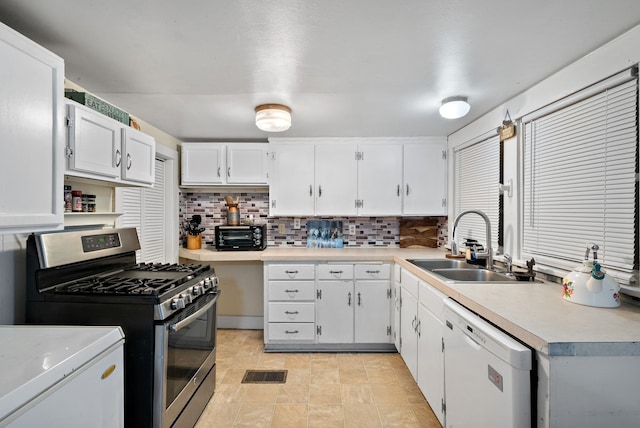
point(477, 175)
point(580, 165)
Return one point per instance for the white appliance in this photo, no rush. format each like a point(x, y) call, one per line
point(487, 373)
point(61, 376)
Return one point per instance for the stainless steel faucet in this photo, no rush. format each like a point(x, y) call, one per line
point(488, 253)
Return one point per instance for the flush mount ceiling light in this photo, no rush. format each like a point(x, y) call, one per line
point(273, 117)
point(454, 107)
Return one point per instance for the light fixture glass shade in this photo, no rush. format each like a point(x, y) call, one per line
point(454, 107)
point(273, 117)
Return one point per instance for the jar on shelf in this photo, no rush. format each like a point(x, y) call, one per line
point(68, 199)
point(91, 203)
point(77, 201)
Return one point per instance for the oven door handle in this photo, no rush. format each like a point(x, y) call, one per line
point(180, 324)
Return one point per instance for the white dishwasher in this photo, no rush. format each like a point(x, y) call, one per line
point(487, 373)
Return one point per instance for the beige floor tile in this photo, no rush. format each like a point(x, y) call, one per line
point(326, 416)
point(255, 415)
point(298, 361)
point(293, 393)
point(218, 415)
point(356, 394)
point(272, 361)
point(381, 375)
point(361, 416)
point(324, 375)
point(414, 395)
point(297, 376)
point(425, 416)
point(388, 394)
point(325, 393)
point(290, 416)
point(260, 393)
point(233, 375)
point(350, 361)
point(380, 361)
point(353, 375)
point(228, 393)
point(397, 416)
point(324, 363)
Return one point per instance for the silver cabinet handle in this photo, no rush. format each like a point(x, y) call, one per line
point(291, 313)
point(128, 161)
point(398, 190)
point(349, 301)
point(291, 291)
point(407, 190)
point(291, 271)
point(118, 157)
point(291, 332)
point(218, 171)
point(319, 191)
point(228, 171)
point(335, 272)
point(373, 271)
point(310, 190)
point(359, 300)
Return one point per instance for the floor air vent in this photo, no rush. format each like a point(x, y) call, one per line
point(265, 376)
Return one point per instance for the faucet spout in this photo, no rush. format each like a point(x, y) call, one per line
point(488, 254)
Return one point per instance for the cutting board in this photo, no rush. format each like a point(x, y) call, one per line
point(418, 233)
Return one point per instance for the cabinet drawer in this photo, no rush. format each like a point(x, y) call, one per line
point(373, 271)
point(331, 271)
point(432, 299)
point(291, 290)
point(291, 331)
point(291, 312)
point(291, 271)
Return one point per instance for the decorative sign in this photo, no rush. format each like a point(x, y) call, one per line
point(508, 128)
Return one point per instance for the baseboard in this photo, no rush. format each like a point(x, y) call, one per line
point(240, 322)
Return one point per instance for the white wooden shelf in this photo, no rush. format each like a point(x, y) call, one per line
point(90, 219)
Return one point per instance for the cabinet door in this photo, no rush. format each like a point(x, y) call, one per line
point(291, 191)
point(372, 312)
point(31, 135)
point(408, 337)
point(425, 179)
point(202, 163)
point(95, 143)
point(395, 326)
point(334, 307)
point(336, 175)
point(140, 153)
point(431, 360)
point(380, 179)
point(247, 163)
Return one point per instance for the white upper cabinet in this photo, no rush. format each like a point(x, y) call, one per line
point(230, 164)
point(31, 135)
point(247, 163)
point(425, 172)
point(336, 182)
point(104, 149)
point(291, 190)
point(380, 179)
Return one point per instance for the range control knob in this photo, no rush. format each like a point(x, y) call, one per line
point(187, 299)
point(197, 290)
point(207, 283)
point(177, 303)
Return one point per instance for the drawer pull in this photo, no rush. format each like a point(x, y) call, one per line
point(291, 313)
point(336, 271)
point(291, 271)
point(291, 291)
point(373, 271)
point(291, 332)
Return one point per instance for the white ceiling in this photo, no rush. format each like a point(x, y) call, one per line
point(197, 68)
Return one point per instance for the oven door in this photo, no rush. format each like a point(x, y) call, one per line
point(185, 354)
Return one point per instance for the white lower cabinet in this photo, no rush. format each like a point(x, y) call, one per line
point(289, 303)
point(421, 333)
point(347, 305)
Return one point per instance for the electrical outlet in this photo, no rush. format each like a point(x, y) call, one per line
point(296, 223)
point(352, 229)
point(281, 228)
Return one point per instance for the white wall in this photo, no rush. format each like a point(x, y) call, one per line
point(608, 60)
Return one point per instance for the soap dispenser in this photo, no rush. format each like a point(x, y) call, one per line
point(588, 284)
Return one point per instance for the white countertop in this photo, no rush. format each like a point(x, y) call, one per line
point(33, 358)
point(533, 312)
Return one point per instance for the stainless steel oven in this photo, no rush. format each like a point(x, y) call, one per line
point(167, 312)
point(186, 345)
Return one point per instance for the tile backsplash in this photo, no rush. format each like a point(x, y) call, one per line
point(369, 231)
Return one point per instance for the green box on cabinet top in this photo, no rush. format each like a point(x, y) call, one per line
point(98, 105)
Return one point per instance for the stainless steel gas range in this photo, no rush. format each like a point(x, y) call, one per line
point(167, 312)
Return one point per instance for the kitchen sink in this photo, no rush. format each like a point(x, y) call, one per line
point(473, 275)
point(431, 264)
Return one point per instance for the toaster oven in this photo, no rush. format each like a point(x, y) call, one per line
point(239, 238)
